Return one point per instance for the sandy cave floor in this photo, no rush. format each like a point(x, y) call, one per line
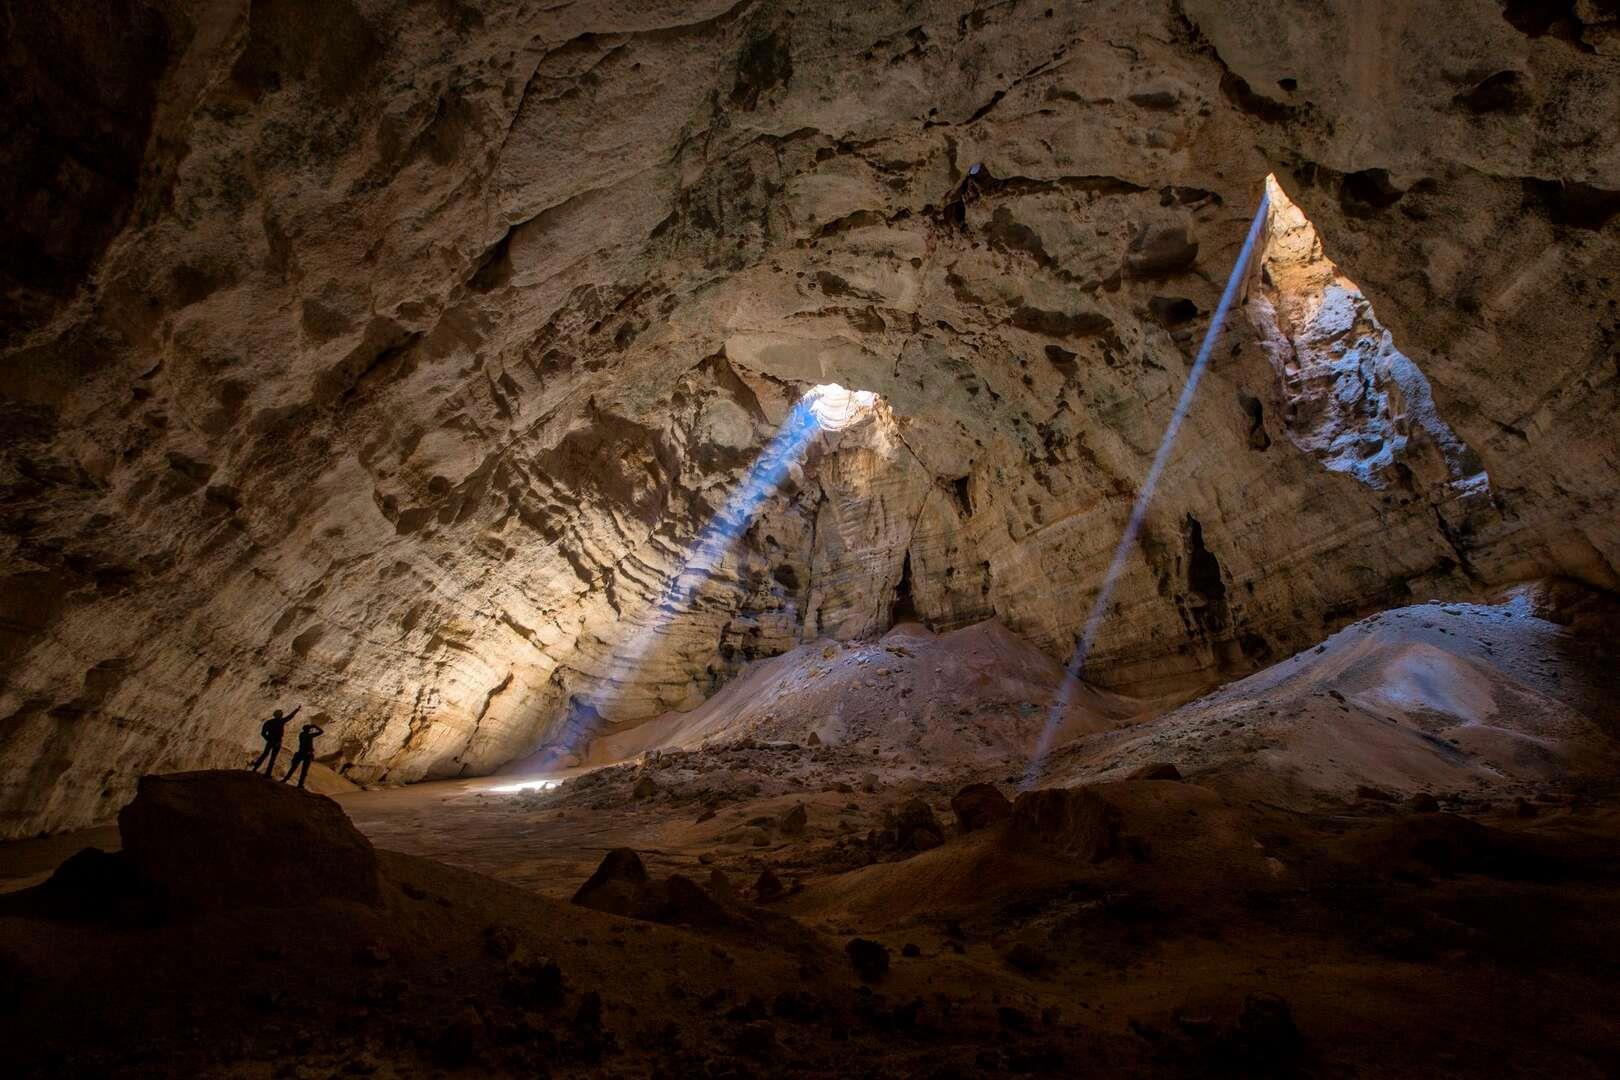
point(1298, 857)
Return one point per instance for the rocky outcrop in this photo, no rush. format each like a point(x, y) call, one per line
point(215, 840)
point(621, 886)
point(979, 806)
point(1076, 821)
point(391, 360)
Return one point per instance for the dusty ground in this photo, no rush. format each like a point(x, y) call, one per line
point(1293, 904)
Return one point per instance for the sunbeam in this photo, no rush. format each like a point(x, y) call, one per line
point(824, 408)
point(1144, 498)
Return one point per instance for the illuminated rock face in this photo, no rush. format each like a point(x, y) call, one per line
point(385, 357)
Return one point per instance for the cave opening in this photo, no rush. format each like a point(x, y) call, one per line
point(835, 408)
point(1349, 396)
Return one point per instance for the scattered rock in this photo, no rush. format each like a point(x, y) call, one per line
point(757, 1039)
point(500, 941)
point(980, 805)
point(374, 954)
point(616, 885)
point(458, 1042)
point(533, 982)
point(1076, 821)
point(1423, 803)
point(916, 827)
point(1155, 770)
point(1265, 1036)
point(793, 822)
point(1012, 1018)
point(95, 884)
point(799, 1005)
point(869, 783)
point(621, 886)
point(645, 788)
point(720, 886)
point(1027, 958)
point(870, 959)
point(768, 887)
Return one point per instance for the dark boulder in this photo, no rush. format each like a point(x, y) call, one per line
point(1265, 1038)
point(769, 886)
point(1076, 821)
point(870, 958)
point(621, 886)
point(978, 806)
point(96, 884)
point(793, 822)
point(1423, 803)
point(1026, 957)
point(1155, 770)
point(685, 903)
point(617, 886)
point(228, 839)
point(916, 827)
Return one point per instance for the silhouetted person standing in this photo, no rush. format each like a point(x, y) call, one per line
point(272, 731)
point(306, 753)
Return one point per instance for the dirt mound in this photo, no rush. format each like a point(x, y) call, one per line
point(1431, 698)
point(975, 693)
point(223, 839)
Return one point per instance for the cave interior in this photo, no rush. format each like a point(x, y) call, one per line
point(761, 537)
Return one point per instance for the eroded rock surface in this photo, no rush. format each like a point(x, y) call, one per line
point(387, 358)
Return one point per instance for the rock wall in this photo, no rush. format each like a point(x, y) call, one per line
point(386, 356)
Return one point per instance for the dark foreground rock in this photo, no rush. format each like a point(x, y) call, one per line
point(870, 959)
point(980, 805)
point(226, 839)
point(916, 827)
point(1076, 821)
point(621, 886)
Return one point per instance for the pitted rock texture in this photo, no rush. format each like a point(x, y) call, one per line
point(387, 357)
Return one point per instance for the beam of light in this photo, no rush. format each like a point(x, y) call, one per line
point(1144, 497)
point(828, 407)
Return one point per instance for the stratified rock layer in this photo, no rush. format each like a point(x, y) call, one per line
point(387, 358)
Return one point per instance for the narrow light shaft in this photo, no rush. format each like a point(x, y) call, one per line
point(1144, 497)
point(731, 521)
